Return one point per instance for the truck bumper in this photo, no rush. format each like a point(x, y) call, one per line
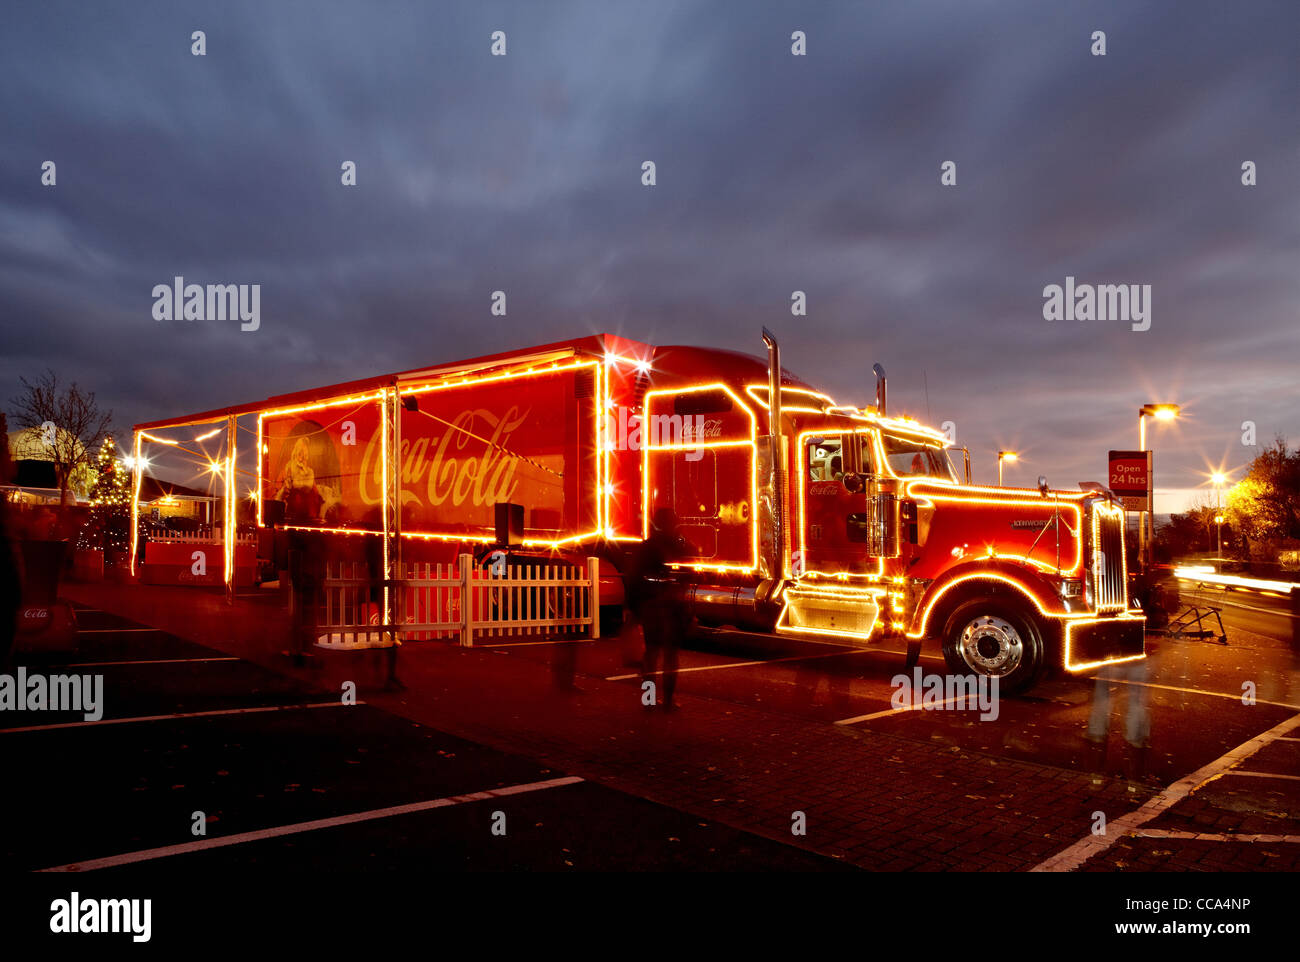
point(1103, 639)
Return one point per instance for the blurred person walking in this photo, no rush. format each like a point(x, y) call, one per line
point(655, 602)
point(1137, 721)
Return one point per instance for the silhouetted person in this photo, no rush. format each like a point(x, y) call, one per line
point(374, 562)
point(655, 602)
point(631, 633)
point(565, 667)
point(306, 574)
point(10, 588)
point(808, 680)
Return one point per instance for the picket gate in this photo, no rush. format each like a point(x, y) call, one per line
point(429, 602)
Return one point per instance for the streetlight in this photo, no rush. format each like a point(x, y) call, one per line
point(1218, 479)
point(1005, 456)
point(1146, 531)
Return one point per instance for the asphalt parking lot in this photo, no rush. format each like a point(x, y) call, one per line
point(288, 776)
point(267, 754)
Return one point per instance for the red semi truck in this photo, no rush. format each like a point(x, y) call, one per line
point(805, 516)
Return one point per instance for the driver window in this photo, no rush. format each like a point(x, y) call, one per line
point(909, 457)
point(825, 459)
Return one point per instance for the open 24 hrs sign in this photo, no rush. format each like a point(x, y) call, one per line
point(1130, 478)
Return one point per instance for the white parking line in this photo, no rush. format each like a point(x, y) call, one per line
point(1198, 691)
point(173, 717)
point(897, 711)
point(112, 631)
point(1293, 778)
point(1121, 681)
point(1071, 858)
point(743, 664)
point(299, 827)
point(151, 661)
point(1205, 837)
point(810, 640)
point(552, 641)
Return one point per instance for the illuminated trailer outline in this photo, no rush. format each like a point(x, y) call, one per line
point(624, 503)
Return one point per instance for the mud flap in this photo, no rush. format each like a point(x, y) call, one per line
point(913, 654)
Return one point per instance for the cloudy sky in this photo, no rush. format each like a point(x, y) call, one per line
point(775, 173)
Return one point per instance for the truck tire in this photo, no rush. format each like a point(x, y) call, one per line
point(995, 638)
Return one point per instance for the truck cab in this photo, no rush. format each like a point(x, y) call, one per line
point(863, 530)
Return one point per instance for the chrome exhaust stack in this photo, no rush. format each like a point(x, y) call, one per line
point(773, 383)
point(774, 567)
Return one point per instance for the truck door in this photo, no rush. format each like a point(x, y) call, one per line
point(694, 487)
point(699, 461)
point(831, 515)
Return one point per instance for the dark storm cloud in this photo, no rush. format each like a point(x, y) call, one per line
point(775, 173)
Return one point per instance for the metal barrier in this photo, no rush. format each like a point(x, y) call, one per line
point(429, 603)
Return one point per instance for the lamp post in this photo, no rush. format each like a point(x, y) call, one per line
point(1218, 479)
point(1146, 531)
point(1005, 456)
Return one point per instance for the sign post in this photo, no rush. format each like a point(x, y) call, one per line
point(1129, 475)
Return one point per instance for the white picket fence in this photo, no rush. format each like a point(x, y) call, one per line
point(215, 536)
point(430, 603)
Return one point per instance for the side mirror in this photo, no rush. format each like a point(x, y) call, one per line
point(1042, 485)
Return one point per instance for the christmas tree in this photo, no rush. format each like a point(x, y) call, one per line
point(110, 504)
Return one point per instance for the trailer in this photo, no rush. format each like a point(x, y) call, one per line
point(805, 516)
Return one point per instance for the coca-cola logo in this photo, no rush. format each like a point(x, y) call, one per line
point(702, 429)
point(629, 431)
point(448, 468)
point(36, 613)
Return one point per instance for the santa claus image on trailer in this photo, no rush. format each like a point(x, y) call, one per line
point(301, 480)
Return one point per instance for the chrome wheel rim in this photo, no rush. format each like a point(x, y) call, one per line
point(991, 646)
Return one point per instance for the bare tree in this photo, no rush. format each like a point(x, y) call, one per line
point(6, 459)
point(70, 424)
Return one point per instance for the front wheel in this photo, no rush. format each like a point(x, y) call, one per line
point(995, 639)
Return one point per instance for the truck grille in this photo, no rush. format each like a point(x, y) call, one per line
point(1108, 560)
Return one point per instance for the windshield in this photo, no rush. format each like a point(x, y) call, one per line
point(911, 457)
